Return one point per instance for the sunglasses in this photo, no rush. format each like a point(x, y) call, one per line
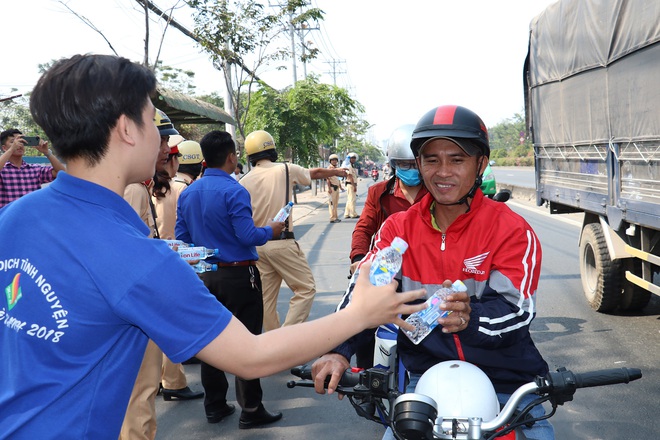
point(404, 165)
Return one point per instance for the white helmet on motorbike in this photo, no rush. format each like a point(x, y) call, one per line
point(398, 145)
point(461, 390)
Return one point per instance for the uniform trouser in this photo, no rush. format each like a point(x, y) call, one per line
point(332, 205)
point(350, 201)
point(284, 260)
point(140, 418)
point(174, 377)
point(232, 286)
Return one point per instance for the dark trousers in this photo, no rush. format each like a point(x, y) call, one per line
point(233, 288)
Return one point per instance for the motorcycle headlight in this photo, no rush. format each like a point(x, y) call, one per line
point(414, 416)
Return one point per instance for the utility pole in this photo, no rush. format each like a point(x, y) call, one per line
point(292, 33)
point(334, 72)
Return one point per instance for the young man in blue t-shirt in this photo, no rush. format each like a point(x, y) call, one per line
point(85, 289)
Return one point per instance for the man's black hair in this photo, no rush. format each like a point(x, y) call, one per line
point(192, 169)
point(216, 147)
point(7, 134)
point(266, 154)
point(78, 101)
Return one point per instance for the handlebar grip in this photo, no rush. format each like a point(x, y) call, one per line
point(349, 379)
point(607, 377)
point(302, 371)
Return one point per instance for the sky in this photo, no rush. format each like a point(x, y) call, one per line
point(399, 59)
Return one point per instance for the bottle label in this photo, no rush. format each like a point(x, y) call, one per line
point(172, 243)
point(194, 253)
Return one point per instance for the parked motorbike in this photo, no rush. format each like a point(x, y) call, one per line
point(473, 411)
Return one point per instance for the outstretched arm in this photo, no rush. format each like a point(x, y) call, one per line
point(240, 352)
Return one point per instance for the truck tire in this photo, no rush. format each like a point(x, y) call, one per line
point(601, 277)
point(634, 297)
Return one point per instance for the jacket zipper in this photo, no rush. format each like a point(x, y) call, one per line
point(442, 246)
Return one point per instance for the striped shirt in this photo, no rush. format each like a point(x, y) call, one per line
point(16, 182)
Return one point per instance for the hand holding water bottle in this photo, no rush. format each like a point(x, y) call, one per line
point(426, 320)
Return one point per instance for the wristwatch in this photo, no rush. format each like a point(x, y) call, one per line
point(49, 153)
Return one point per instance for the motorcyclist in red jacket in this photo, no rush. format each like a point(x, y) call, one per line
point(456, 233)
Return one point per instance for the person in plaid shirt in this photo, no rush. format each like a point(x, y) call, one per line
point(18, 177)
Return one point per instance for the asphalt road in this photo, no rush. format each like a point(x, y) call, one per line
point(568, 333)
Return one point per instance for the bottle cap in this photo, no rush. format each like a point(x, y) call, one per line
point(458, 286)
point(290, 203)
point(399, 244)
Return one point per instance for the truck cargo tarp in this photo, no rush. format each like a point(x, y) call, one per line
point(595, 63)
point(183, 109)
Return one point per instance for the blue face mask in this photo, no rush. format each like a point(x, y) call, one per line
point(409, 177)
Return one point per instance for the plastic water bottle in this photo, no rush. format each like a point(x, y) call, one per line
point(426, 320)
point(203, 266)
point(196, 253)
point(387, 262)
point(180, 243)
point(347, 162)
point(284, 212)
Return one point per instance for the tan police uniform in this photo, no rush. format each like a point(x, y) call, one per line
point(173, 375)
point(280, 259)
point(351, 192)
point(333, 190)
point(140, 418)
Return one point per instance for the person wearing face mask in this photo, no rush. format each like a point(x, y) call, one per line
point(403, 189)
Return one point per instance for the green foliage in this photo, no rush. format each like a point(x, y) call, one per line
point(175, 79)
point(305, 117)
point(241, 36)
point(195, 132)
point(510, 144)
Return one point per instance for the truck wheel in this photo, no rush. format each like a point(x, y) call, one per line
point(601, 277)
point(634, 297)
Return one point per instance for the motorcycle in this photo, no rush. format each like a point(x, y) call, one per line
point(473, 413)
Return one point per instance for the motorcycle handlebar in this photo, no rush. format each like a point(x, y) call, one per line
point(607, 377)
point(349, 379)
point(563, 381)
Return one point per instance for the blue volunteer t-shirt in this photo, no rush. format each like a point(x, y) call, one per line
point(82, 289)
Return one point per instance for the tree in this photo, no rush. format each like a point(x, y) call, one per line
point(509, 142)
point(175, 79)
point(242, 33)
point(305, 117)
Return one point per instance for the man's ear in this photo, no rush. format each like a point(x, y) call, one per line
point(125, 129)
point(483, 164)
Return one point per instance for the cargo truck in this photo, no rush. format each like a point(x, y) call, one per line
point(592, 104)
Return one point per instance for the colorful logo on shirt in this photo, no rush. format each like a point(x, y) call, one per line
point(472, 264)
point(13, 292)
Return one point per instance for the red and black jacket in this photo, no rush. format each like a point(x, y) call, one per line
point(497, 255)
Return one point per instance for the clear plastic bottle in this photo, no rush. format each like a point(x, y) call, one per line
point(387, 262)
point(284, 212)
point(347, 162)
point(203, 266)
point(426, 320)
point(196, 253)
point(182, 244)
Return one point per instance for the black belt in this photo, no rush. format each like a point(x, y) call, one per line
point(285, 236)
point(237, 263)
point(335, 187)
